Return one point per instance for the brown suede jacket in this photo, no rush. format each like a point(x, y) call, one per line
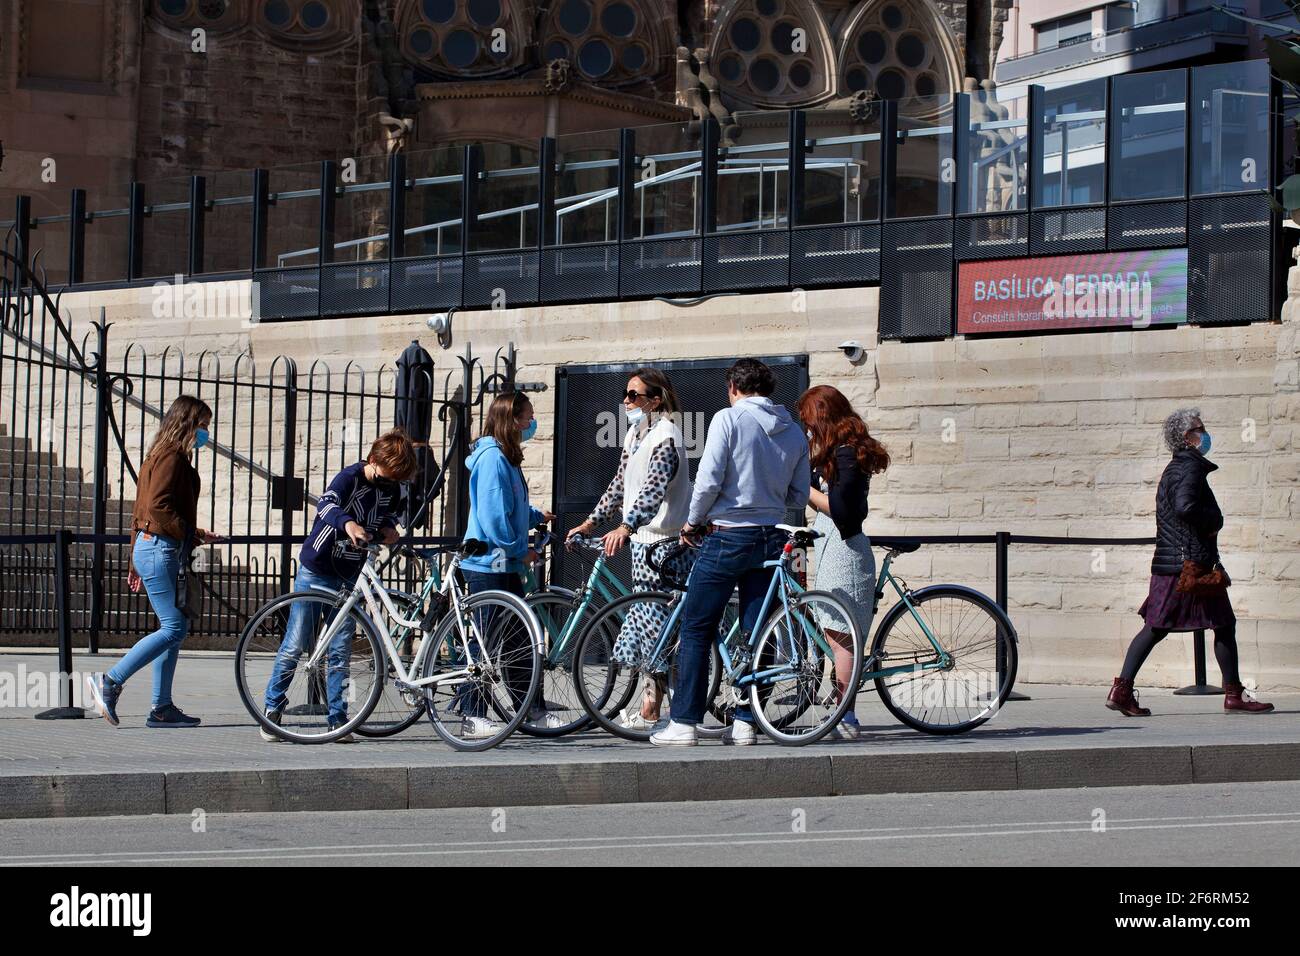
point(167, 496)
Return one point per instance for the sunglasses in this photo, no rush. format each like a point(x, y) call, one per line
point(632, 395)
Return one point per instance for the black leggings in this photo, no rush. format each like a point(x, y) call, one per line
point(1225, 651)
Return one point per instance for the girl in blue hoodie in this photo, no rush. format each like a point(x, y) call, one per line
point(500, 515)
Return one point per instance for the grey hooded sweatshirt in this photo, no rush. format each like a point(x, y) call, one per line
point(754, 468)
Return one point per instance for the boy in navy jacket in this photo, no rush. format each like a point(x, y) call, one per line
point(363, 500)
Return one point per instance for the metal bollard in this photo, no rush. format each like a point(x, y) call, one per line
point(63, 609)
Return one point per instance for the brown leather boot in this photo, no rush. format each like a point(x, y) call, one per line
point(1235, 701)
point(1124, 699)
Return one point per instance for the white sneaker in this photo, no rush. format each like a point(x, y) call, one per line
point(739, 734)
point(632, 719)
point(479, 728)
point(844, 731)
point(545, 720)
point(675, 735)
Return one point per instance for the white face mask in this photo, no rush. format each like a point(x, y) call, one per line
point(634, 415)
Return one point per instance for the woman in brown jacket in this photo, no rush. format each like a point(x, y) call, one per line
point(165, 525)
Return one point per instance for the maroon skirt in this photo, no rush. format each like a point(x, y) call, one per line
point(1170, 610)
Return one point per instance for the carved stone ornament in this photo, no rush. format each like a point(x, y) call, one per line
point(559, 75)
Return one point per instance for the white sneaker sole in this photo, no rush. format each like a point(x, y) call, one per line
point(97, 699)
point(673, 743)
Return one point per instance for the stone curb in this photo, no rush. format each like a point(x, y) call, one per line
point(734, 777)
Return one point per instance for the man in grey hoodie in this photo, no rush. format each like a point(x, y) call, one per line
point(754, 469)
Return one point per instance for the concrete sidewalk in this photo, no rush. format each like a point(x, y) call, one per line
point(1062, 737)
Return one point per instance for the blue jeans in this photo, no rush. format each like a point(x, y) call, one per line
point(300, 638)
point(729, 557)
point(469, 700)
point(158, 561)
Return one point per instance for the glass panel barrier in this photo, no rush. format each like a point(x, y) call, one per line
point(586, 187)
point(507, 199)
point(842, 168)
point(754, 175)
point(667, 176)
point(433, 226)
point(293, 218)
point(1149, 160)
point(51, 215)
point(166, 228)
point(998, 143)
point(1071, 169)
point(1229, 114)
point(107, 233)
point(228, 222)
point(924, 171)
point(361, 212)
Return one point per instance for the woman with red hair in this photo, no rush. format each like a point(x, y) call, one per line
point(843, 457)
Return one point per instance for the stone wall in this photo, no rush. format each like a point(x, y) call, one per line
point(1055, 435)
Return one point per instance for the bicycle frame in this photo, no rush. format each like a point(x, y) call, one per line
point(942, 659)
point(370, 589)
point(788, 585)
point(596, 583)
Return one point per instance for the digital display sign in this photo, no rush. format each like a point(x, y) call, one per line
point(1095, 290)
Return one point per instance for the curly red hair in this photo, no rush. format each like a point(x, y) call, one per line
point(829, 416)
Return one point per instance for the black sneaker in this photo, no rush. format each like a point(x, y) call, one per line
point(170, 716)
point(346, 738)
point(103, 696)
point(270, 737)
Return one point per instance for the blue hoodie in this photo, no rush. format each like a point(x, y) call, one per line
point(754, 468)
point(499, 512)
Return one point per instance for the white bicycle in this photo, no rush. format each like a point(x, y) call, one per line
point(477, 668)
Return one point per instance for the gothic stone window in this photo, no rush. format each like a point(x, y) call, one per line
point(898, 48)
point(610, 42)
point(209, 14)
point(773, 52)
point(466, 37)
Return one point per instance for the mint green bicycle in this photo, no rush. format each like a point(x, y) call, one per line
point(564, 614)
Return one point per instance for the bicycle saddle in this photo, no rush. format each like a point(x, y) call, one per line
point(903, 547)
point(473, 547)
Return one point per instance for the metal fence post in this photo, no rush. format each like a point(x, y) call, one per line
point(466, 413)
point(77, 238)
point(198, 207)
point(1002, 544)
point(135, 232)
point(63, 608)
point(1200, 688)
point(292, 494)
point(99, 507)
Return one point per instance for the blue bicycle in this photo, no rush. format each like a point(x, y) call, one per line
point(797, 670)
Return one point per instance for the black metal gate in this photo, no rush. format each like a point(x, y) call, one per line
point(76, 419)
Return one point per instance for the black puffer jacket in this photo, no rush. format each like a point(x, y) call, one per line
point(1188, 518)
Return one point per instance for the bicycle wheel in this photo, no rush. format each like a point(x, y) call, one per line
point(611, 691)
point(491, 668)
point(352, 670)
point(796, 693)
point(981, 645)
point(396, 709)
point(557, 710)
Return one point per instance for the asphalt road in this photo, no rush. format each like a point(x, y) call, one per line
point(1193, 825)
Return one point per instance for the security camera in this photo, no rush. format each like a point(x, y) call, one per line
point(440, 322)
point(852, 351)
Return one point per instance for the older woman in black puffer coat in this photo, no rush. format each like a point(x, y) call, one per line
point(1188, 521)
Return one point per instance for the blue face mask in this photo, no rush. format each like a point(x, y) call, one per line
point(530, 431)
point(1204, 446)
point(634, 416)
point(200, 438)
